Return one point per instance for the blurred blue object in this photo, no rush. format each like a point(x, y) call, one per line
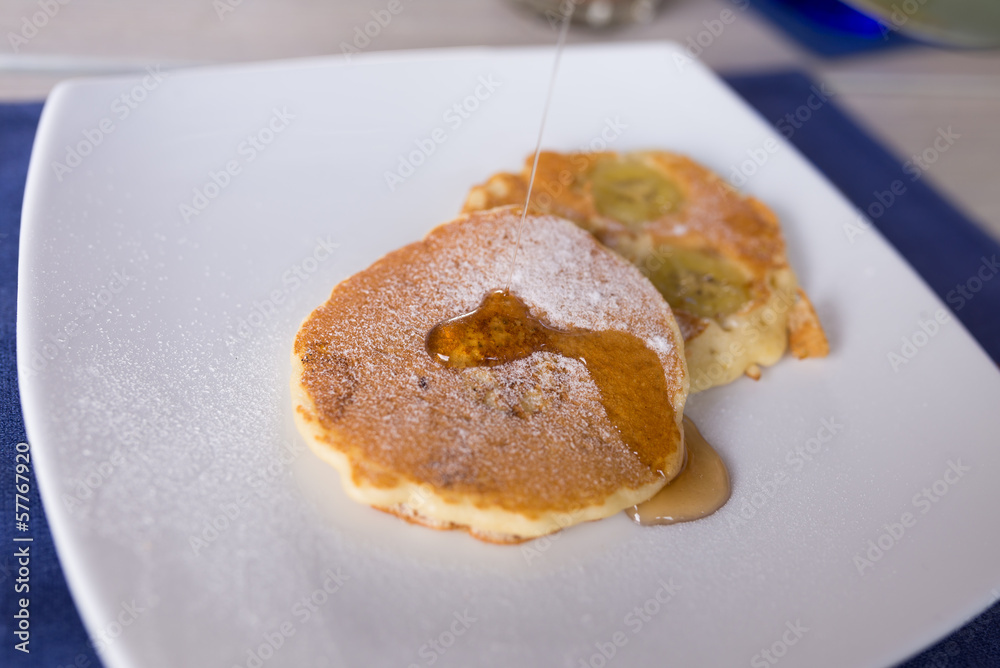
point(836, 14)
point(829, 28)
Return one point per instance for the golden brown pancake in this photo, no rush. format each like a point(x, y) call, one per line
point(506, 452)
point(717, 257)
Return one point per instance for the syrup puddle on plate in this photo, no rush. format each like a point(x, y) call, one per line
point(698, 491)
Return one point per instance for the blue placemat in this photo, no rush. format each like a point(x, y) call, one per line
point(56, 635)
point(938, 240)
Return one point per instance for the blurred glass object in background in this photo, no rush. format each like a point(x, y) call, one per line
point(595, 13)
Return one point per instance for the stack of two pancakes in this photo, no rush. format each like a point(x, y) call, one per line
point(519, 450)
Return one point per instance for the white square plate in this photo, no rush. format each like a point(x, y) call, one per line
point(153, 346)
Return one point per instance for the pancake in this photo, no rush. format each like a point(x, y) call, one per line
point(506, 452)
point(716, 256)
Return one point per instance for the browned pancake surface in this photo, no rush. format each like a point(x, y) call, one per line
point(531, 436)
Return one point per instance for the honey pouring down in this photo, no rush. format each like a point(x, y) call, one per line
point(628, 375)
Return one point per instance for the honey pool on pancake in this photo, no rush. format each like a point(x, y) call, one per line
point(632, 386)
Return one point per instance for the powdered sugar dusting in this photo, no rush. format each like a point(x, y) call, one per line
point(659, 344)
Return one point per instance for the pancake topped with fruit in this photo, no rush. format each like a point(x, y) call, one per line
point(718, 257)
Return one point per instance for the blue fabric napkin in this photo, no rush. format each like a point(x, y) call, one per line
point(934, 237)
point(56, 635)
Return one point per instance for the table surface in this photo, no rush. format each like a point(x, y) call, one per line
point(903, 96)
